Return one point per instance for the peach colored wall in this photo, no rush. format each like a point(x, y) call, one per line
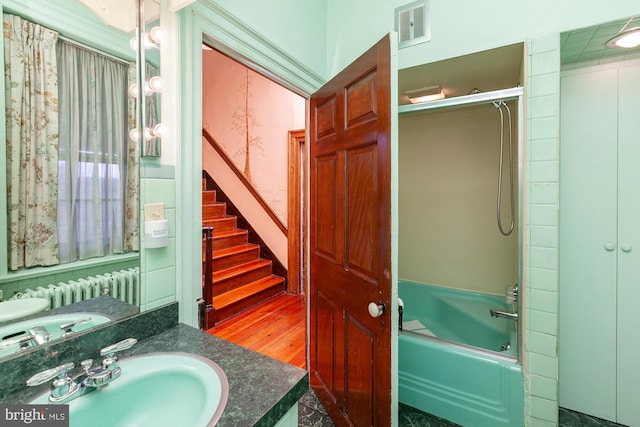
point(273, 111)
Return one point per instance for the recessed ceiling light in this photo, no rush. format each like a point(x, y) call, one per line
point(628, 39)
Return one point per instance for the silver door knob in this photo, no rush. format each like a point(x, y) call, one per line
point(626, 247)
point(376, 309)
point(609, 246)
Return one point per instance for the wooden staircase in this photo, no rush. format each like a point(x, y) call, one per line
point(241, 279)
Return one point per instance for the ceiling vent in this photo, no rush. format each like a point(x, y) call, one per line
point(413, 23)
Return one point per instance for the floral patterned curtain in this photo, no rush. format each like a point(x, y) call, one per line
point(152, 107)
point(132, 192)
point(31, 93)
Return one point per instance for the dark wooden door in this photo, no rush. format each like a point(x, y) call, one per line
point(350, 136)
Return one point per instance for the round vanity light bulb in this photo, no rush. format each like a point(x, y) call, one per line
point(156, 35)
point(134, 135)
point(160, 130)
point(133, 90)
point(148, 44)
point(148, 134)
point(155, 83)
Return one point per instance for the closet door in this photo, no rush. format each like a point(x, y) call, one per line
point(629, 246)
point(588, 247)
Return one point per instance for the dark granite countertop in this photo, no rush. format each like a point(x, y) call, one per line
point(261, 389)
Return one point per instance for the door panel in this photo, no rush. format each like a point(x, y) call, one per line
point(362, 214)
point(588, 205)
point(350, 260)
point(325, 312)
point(360, 373)
point(326, 208)
point(628, 246)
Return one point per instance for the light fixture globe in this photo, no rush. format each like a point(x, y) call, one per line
point(628, 39)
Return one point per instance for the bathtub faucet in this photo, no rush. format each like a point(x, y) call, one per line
point(513, 315)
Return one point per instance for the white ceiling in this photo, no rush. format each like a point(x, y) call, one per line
point(121, 14)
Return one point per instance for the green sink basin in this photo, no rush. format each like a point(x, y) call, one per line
point(51, 323)
point(158, 389)
point(17, 308)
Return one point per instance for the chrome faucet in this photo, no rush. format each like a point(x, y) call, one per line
point(40, 335)
point(24, 342)
point(65, 389)
point(495, 312)
point(68, 327)
point(36, 336)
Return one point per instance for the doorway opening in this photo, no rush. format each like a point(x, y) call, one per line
point(253, 198)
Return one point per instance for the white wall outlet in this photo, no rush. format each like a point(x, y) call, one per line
point(154, 212)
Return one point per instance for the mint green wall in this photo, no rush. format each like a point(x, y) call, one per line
point(459, 27)
point(75, 21)
point(297, 27)
point(541, 227)
point(158, 265)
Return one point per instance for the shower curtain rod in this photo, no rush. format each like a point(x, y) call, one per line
point(93, 49)
point(464, 101)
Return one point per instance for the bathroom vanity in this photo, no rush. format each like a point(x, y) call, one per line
point(262, 390)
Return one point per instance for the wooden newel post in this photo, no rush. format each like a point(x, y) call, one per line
point(206, 309)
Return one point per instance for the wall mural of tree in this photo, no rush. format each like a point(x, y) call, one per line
point(250, 117)
point(244, 121)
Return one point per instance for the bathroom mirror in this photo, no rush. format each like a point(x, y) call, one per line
point(105, 28)
point(150, 57)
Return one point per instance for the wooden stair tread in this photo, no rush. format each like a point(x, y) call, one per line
point(219, 254)
point(218, 218)
point(234, 250)
point(220, 223)
point(228, 233)
point(239, 269)
point(239, 294)
point(215, 205)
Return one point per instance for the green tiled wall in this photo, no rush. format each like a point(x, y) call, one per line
point(158, 265)
point(541, 361)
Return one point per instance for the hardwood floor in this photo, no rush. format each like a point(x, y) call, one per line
point(275, 328)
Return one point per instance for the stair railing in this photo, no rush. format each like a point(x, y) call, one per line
point(265, 206)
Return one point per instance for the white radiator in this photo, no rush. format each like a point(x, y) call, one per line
point(123, 284)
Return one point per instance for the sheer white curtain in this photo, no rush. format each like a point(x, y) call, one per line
point(31, 142)
point(93, 155)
